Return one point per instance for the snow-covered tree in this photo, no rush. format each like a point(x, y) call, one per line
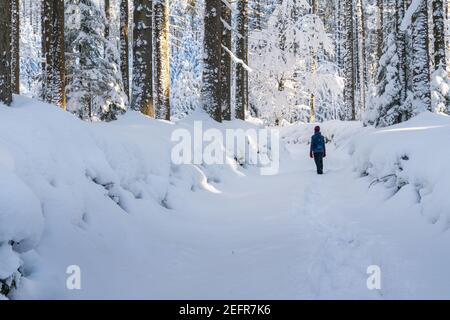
point(385, 107)
point(186, 56)
point(389, 105)
point(440, 82)
point(281, 81)
point(30, 48)
point(361, 55)
point(420, 59)
point(95, 89)
point(108, 17)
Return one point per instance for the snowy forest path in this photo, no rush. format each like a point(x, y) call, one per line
point(291, 235)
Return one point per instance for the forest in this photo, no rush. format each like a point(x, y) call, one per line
point(381, 62)
point(224, 149)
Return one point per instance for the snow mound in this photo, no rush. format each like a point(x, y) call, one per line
point(92, 194)
point(412, 153)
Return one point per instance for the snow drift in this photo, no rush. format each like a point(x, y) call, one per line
point(105, 197)
point(72, 190)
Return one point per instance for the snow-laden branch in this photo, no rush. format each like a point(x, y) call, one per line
point(229, 28)
point(237, 60)
point(228, 4)
point(226, 25)
point(406, 22)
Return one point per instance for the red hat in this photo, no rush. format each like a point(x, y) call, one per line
point(317, 129)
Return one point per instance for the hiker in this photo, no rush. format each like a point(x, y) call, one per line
point(318, 151)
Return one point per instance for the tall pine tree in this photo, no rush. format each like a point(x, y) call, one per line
point(15, 55)
point(53, 49)
point(142, 58)
point(349, 62)
point(212, 57)
point(5, 52)
point(124, 45)
point(225, 71)
point(242, 53)
point(420, 60)
point(161, 57)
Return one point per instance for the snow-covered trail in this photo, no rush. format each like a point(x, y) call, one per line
point(111, 203)
point(299, 235)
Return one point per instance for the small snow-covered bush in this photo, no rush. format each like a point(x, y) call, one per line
point(412, 153)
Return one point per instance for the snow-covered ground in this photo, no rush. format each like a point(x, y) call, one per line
point(105, 197)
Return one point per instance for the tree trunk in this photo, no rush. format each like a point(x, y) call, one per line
point(108, 18)
point(362, 55)
point(5, 52)
point(312, 97)
point(349, 90)
point(420, 59)
point(212, 56)
point(225, 72)
point(439, 34)
point(340, 17)
point(401, 47)
point(15, 56)
point(53, 50)
point(380, 22)
point(124, 46)
point(162, 62)
point(242, 53)
point(142, 60)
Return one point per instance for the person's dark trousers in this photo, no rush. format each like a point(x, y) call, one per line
point(318, 159)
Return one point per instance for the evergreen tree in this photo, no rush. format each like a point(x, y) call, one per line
point(385, 108)
point(142, 59)
point(439, 34)
point(161, 57)
point(440, 81)
point(212, 57)
point(362, 72)
point(349, 61)
point(225, 72)
point(186, 56)
point(390, 105)
point(242, 54)
point(124, 45)
point(15, 42)
point(312, 98)
point(420, 60)
point(95, 88)
point(5, 52)
point(108, 18)
point(54, 67)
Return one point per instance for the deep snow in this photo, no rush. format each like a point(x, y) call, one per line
point(105, 197)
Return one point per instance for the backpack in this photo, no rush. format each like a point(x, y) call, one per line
point(318, 143)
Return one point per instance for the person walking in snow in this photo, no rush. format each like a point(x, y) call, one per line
point(318, 150)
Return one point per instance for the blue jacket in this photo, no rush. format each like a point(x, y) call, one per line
point(318, 143)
